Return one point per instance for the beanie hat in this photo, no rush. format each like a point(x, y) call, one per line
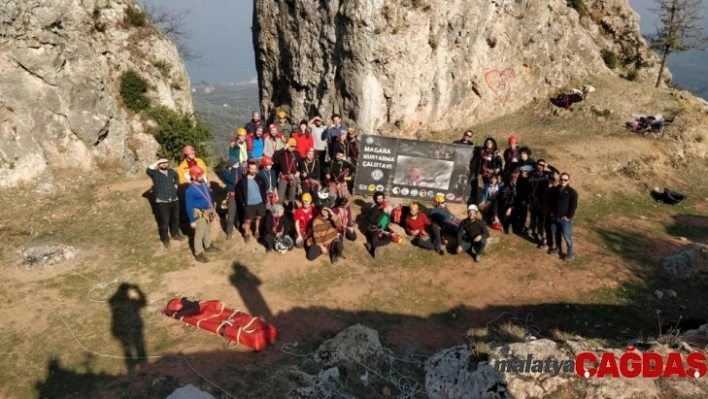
point(278, 208)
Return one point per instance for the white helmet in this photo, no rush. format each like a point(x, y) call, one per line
point(473, 207)
point(323, 195)
point(283, 244)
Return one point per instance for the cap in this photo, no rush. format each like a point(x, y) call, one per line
point(307, 198)
point(473, 207)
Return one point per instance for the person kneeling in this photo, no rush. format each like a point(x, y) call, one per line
point(325, 236)
point(276, 226)
point(473, 234)
point(417, 225)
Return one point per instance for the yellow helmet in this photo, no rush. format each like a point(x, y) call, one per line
point(413, 206)
point(282, 114)
point(307, 198)
point(439, 198)
point(291, 141)
point(241, 131)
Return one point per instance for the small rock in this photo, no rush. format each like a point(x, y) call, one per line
point(643, 217)
point(671, 293)
point(189, 392)
point(658, 294)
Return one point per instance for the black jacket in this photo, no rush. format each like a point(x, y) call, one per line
point(337, 171)
point(242, 189)
point(564, 202)
point(373, 219)
point(284, 224)
point(313, 171)
point(285, 159)
point(472, 229)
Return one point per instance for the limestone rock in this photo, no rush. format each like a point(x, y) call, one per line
point(447, 376)
point(323, 386)
point(189, 392)
point(356, 344)
point(688, 261)
point(42, 255)
point(60, 68)
point(400, 66)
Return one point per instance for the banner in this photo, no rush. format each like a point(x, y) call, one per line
point(413, 169)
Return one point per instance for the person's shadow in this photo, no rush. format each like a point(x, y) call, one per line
point(127, 325)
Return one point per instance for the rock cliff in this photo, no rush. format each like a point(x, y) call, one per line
point(60, 68)
point(399, 66)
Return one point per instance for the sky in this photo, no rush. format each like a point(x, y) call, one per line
point(221, 34)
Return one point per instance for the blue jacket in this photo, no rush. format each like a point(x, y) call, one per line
point(231, 177)
point(197, 196)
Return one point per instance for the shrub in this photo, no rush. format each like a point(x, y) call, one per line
point(175, 130)
point(609, 57)
point(632, 75)
point(579, 6)
point(132, 89)
point(135, 17)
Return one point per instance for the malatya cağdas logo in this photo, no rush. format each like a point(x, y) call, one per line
point(635, 364)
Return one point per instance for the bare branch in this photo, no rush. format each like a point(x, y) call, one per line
point(173, 23)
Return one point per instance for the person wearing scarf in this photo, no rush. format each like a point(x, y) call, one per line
point(200, 210)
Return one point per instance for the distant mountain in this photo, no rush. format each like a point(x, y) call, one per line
point(224, 106)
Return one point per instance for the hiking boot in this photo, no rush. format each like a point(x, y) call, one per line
point(212, 249)
point(543, 246)
point(333, 258)
point(440, 252)
point(229, 236)
point(201, 258)
point(166, 244)
point(568, 258)
point(477, 258)
point(553, 251)
point(179, 237)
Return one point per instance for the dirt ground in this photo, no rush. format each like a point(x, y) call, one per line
point(57, 320)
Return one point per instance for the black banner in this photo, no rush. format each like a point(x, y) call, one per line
point(413, 169)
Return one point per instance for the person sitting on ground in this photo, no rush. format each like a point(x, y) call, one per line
point(275, 141)
point(539, 182)
point(488, 206)
point(255, 122)
point(338, 173)
point(304, 138)
point(441, 216)
point(288, 162)
point(275, 225)
point(256, 144)
point(378, 232)
point(303, 221)
point(473, 234)
point(164, 186)
point(310, 173)
point(232, 174)
point(284, 126)
point(325, 236)
point(238, 147)
point(189, 159)
point(566, 100)
point(251, 194)
point(344, 211)
point(268, 175)
point(466, 138)
point(490, 160)
point(424, 234)
point(200, 210)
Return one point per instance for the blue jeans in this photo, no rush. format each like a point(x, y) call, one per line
point(564, 228)
point(478, 246)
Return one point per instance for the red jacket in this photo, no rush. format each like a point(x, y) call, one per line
point(249, 141)
point(304, 143)
point(420, 223)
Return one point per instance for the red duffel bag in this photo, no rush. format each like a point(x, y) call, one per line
point(216, 318)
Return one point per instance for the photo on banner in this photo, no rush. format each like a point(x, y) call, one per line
point(413, 169)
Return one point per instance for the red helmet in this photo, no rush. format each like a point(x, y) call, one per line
point(272, 126)
point(196, 172)
point(188, 150)
point(266, 161)
point(175, 305)
point(513, 140)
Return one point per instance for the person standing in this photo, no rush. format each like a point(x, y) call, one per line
point(189, 159)
point(256, 144)
point(255, 122)
point(251, 192)
point(269, 176)
point(238, 147)
point(318, 129)
point(274, 141)
point(200, 210)
point(490, 161)
point(473, 234)
point(333, 131)
point(164, 186)
point(466, 138)
point(288, 163)
point(539, 181)
point(311, 173)
point(303, 139)
point(284, 126)
point(232, 175)
point(564, 202)
point(325, 236)
point(421, 229)
point(512, 156)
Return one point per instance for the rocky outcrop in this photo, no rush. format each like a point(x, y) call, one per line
point(399, 66)
point(60, 68)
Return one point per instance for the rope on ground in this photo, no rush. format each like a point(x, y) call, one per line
point(529, 329)
point(82, 346)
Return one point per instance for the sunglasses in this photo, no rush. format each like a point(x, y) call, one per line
point(565, 179)
point(468, 135)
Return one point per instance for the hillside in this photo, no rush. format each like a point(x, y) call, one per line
point(57, 330)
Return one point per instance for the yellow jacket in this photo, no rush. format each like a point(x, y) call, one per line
point(183, 170)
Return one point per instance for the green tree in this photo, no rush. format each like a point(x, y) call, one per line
point(174, 131)
point(680, 29)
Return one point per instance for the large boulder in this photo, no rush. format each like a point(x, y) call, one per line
point(60, 68)
point(355, 345)
point(400, 66)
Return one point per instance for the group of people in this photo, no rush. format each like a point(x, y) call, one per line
point(289, 187)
